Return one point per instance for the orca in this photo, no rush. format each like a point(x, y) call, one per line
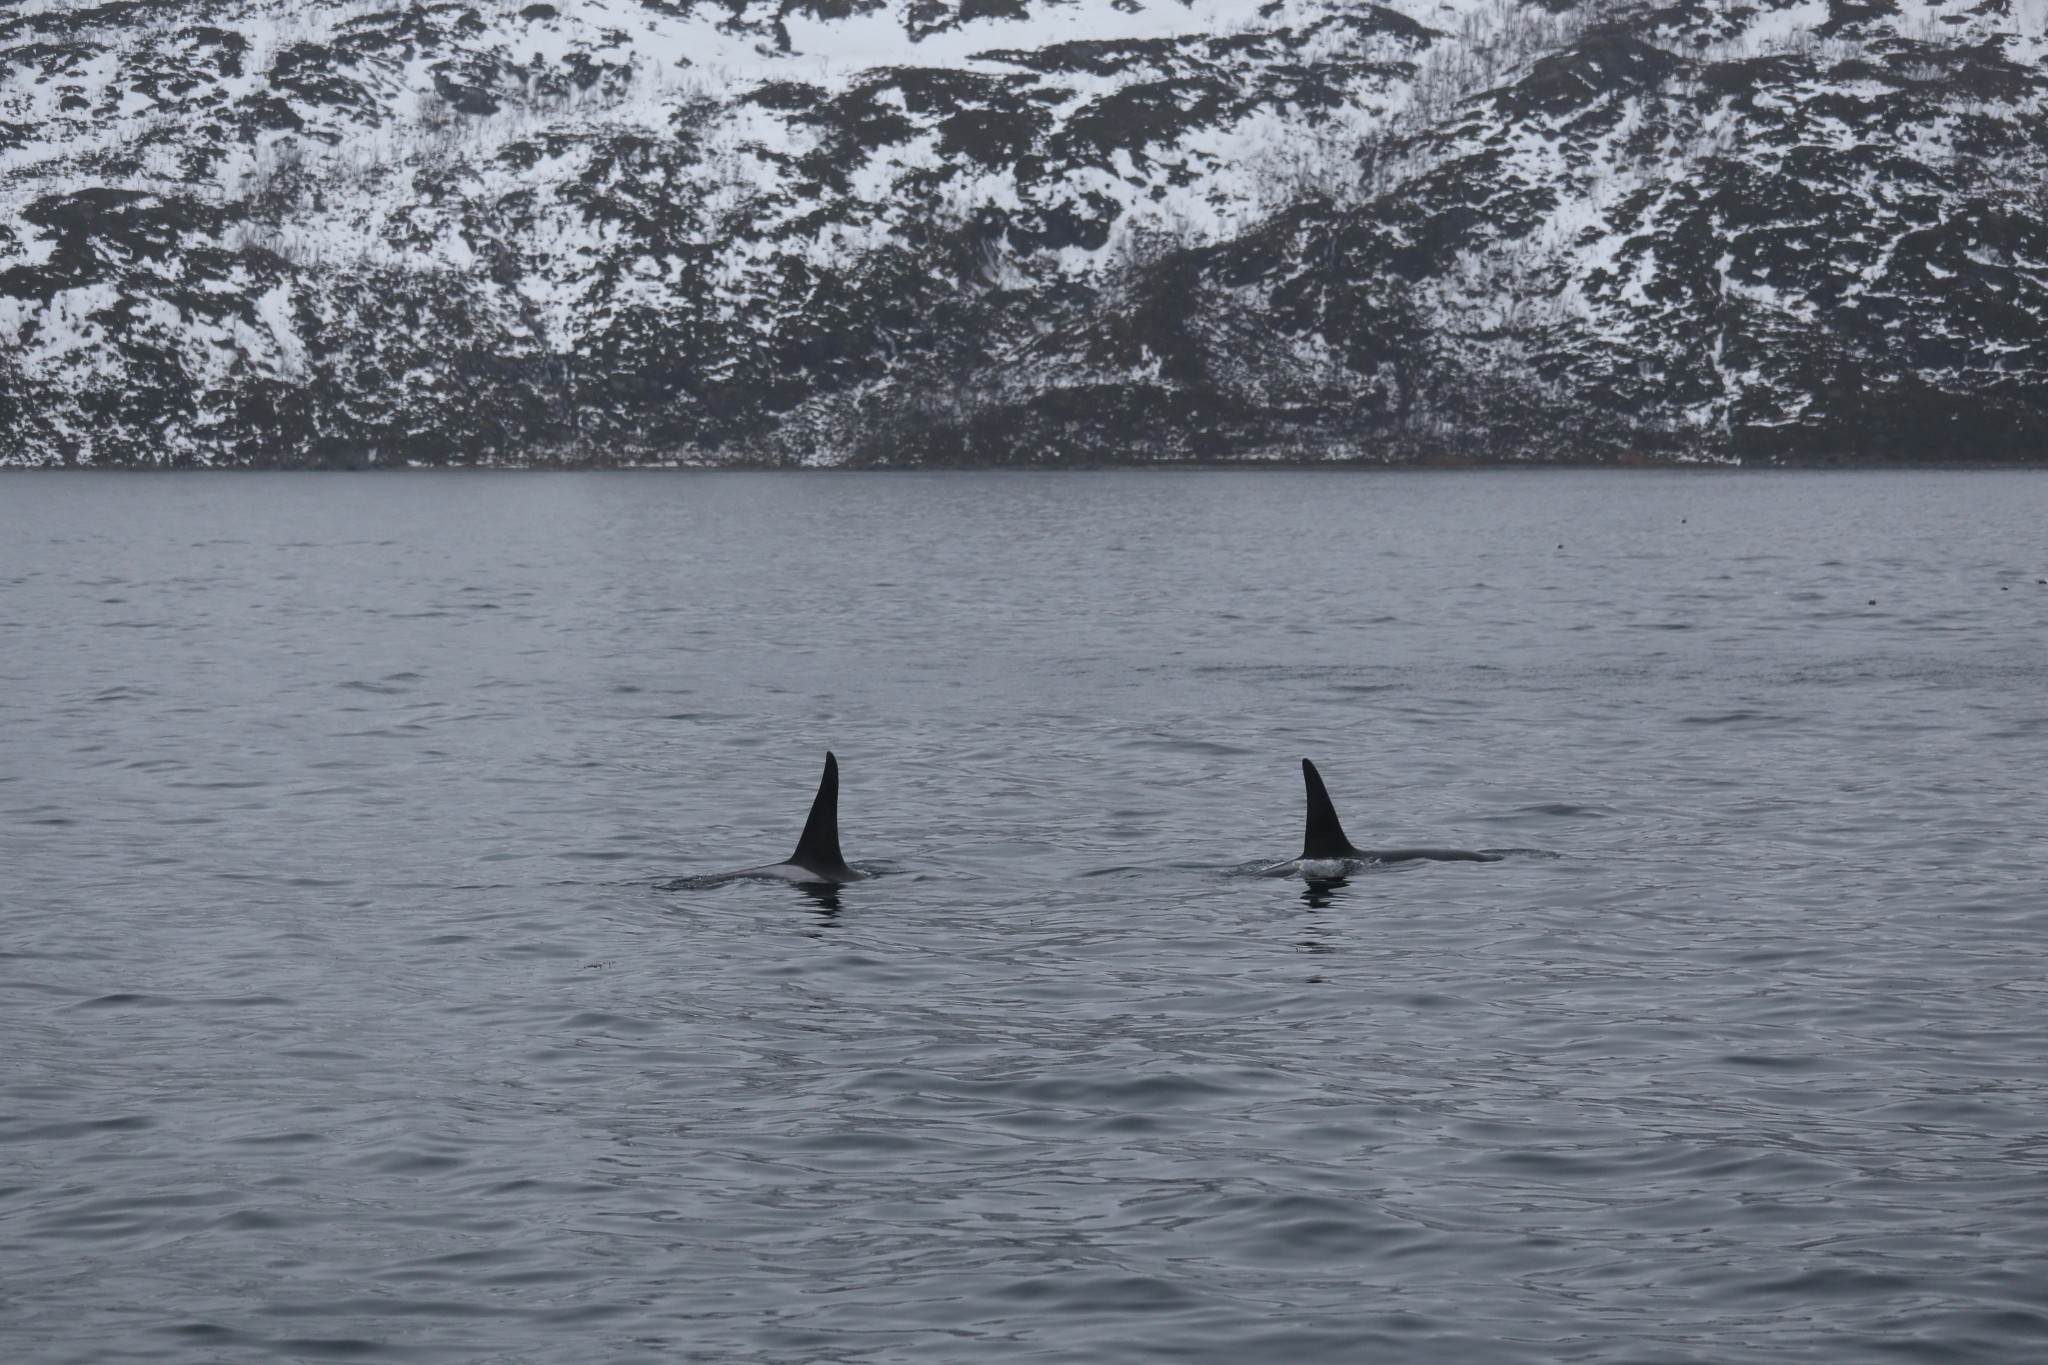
point(1326, 855)
point(817, 860)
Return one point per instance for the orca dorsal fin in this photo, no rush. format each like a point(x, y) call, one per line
point(818, 848)
point(1325, 837)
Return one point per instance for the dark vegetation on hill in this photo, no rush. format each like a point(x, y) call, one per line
point(292, 232)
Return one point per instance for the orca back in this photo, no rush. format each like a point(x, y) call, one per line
point(818, 849)
point(1325, 837)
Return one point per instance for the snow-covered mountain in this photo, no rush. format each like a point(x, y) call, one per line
point(967, 231)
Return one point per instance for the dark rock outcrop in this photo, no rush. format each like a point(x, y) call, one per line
point(334, 232)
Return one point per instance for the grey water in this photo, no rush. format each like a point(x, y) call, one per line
point(341, 1015)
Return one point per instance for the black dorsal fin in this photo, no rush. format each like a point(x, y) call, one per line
point(818, 849)
point(1325, 837)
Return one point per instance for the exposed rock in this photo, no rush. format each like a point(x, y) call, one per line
point(920, 231)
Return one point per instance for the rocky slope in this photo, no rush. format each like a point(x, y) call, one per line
point(972, 231)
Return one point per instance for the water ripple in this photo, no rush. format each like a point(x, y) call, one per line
point(368, 997)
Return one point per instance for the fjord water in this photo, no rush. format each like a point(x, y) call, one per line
point(343, 1017)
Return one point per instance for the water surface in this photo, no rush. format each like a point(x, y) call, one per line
point(343, 1017)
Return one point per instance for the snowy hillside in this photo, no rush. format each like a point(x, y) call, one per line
point(968, 231)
